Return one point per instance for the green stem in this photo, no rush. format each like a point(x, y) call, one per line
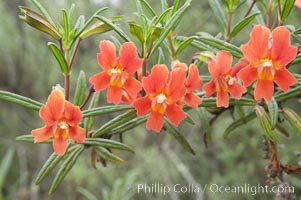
point(172, 48)
point(250, 8)
point(74, 54)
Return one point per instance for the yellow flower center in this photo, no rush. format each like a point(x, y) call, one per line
point(221, 84)
point(61, 129)
point(118, 76)
point(266, 70)
point(159, 103)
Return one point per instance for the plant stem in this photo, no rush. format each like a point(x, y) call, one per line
point(250, 8)
point(74, 54)
point(67, 86)
point(172, 48)
point(229, 21)
point(91, 91)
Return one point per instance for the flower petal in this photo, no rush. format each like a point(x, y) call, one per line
point(209, 88)
point(155, 82)
point(236, 90)
point(282, 51)
point(284, 79)
point(175, 114)
point(155, 121)
point(242, 63)
point(176, 87)
point(248, 75)
point(257, 47)
point(114, 94)
point(222, 99)
point(78, 134)
point(100, 81)
point(142, 105)
point(107, 56)
point(42, 134)
point(60, 145)
point(193, 81)
point(128, 58)
point(54, 107)
point(72, 114)
point(223, 62)
point(132, 86)
point(192, 100)
point(264, 89)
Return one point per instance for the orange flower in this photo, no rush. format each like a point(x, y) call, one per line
point(61, 120)
point(117, 71)
point(193, 82)
point(268, 61)
point(223, 79)
point(163, 90)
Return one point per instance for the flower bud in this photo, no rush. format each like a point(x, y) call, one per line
point(293, 118)
point(37, 21)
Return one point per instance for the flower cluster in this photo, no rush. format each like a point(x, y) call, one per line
point(163, 92)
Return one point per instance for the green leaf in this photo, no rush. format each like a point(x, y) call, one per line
point(81, 89)
point(20, 100)
point(59, 57)
point(238, 123)
point(150, 10)
point(98, 28)
point(51, 163)
point(161, 56)
point(128, 125)
point(110, 144)
point(204, 119)
point(170, 25)
point(218, 12)
point(118, 30)
point(105, 110)
point(6, 162)
point(66, 167)
point(107, 155)
point(89, 121)
point(30, 138)
point(273, 112)
point(287, 8)
point(243, 23)
point(265, 124)
point(295, 92)
point(137, 31)
point(189, 119)
point(184, 44)
point(43, 11)
point(176, 5)
point(117, 121)
point(178, 136)
point(221, 45)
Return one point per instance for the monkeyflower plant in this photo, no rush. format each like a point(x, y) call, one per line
point(147, 84)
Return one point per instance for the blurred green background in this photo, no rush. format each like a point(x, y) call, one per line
point(27, 67)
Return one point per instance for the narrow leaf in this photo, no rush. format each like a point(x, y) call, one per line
point(107, 155)
point(51, 163)
point(128, 125)
point(20, 100)
point(287, 8)
point(117, 121)
point(204, 118)
point(273, 111)
point(170, 25)
point(81, 89)
point(178, 136)
point(110, 144)
point(59, 57)
point(6, 166)
point(243, 23)
point(176, 5)
point(66, 167)
point(221, 45)
point(105, 110)
point(30, 138)
point(184, 44)
point(238, 123)
point(118, 30)
point(150, 10)
point(43, 11)
point(137, 31)
point(218, 12)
